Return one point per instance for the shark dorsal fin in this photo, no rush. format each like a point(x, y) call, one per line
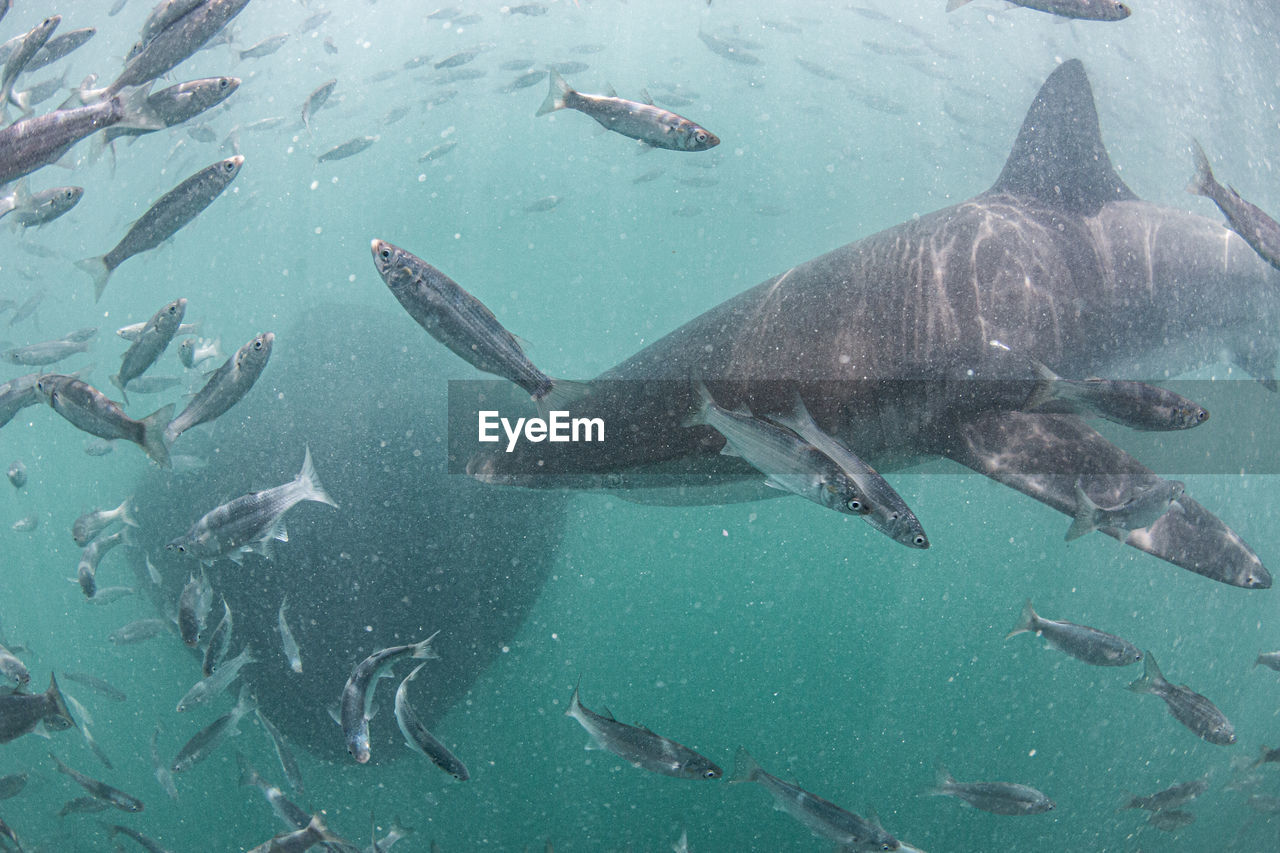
point(1058, 158)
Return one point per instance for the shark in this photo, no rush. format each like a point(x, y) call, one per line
point(889, 342)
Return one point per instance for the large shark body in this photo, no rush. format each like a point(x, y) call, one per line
point(888, 339)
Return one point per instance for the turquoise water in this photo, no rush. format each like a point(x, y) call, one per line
point(845, 663)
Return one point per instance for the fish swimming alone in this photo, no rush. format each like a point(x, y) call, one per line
point(641, 747)
point(1186, 706)
point(461, 322)
point(900, 379)
point(251, 522)
point(1005, 798)
point(651, 125)
point(164, 218)
point(419, 739)
point(1248, 220)
point(821, 817)
point(1080, 641)
point(1081, 10)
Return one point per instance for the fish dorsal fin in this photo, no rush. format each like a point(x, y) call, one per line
point(607, 714)
point(1058, 158)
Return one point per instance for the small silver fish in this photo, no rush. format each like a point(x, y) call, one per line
point(291, 651)
point(421, 740)
point(1082, 10)
point(1185, 705)
point(101, 790)
point(1259, 230)
point(350, 148)
point(640, 747)
point(1005, 798)
point(462, 323)
point(1080, 641)
point(17, 474)
point(194, 604)
point(787, 462)
point(131, 332)
point(219, 642)
point(160, 770)
point(647, 123)
point(888, 512)
point(45, 352)
point(164, 218)
point(137, 632)
point(203, 742)
point(1136, 405)
point(287, 762)
point(31, 210)
point(226, 386)
point(223, 677)
point(192, 351)
point(822, 817)
point(12, 668)
point(266, 47)
point(1168, 798)
point(251, 522)
point(356, 705)
point(87, 568)
point(88, 525)
point(316, 100)
point(152, 341)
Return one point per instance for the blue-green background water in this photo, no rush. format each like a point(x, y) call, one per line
point(842, 661)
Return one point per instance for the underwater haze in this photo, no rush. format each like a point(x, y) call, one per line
point(845, 663)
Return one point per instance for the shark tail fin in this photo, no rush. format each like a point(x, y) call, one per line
point(555, 99)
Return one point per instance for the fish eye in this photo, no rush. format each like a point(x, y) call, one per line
point(223, 83)
point(710, 774)
point(257, 344)
point(919, 541)
point(853, 505)
point(385, 254)
point(1202, 416)
point(701, 136)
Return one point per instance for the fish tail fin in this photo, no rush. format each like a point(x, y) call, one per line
point(1202, 182)
point(54, 695)
point(1045, 390)
point(698, 417)
point(126, 517)
point(8, 203)
point(98, 268)
point(22, 100)
point(952, 5)
point(942, 781)
point(424, 651)
point(555, 99)
point(1262, 756)
point(1257, 660)
point(1025, 622)
point(153, 426)
point(1127, 801)
point(745, 768)
point(559, 394)
point(115, 380)
point(1151, 675)
point(309, 480)
point(218, 354)
point(1086, 515)
point(137, 112)
point(575, 703)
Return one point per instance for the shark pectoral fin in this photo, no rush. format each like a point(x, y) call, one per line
point(1044, 456)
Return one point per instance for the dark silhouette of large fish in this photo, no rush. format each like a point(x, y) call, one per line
point(888, 341)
